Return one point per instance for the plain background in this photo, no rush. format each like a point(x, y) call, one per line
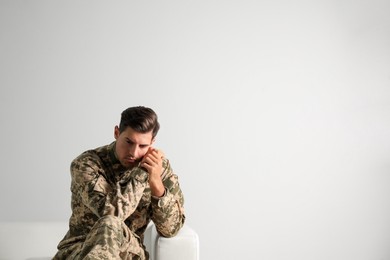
point(275, 114)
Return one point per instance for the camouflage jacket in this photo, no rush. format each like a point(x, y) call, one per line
point(102, 186)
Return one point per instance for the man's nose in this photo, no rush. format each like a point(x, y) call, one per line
point(134, 151)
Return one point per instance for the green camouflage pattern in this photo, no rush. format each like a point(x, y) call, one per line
point(112, 206)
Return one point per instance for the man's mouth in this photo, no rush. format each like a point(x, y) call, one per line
point(130, 159)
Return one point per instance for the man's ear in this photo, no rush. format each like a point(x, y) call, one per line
point(116, 132)
point(153, 140)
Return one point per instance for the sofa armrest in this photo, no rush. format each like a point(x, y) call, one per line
point(183, 246)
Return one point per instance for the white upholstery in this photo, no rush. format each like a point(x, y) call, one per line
point(183, 246)
point(38, 241)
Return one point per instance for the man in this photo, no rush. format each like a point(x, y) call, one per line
point(117, 189)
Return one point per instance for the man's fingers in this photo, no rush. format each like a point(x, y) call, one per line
point(160, 153)
point(157, 152)
point(155, 155)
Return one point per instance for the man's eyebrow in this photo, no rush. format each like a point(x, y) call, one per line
point(128, 139)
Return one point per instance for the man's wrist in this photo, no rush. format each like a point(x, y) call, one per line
point(158, 192)
point(157, 187)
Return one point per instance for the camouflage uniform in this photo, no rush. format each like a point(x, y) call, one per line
point(112, 206)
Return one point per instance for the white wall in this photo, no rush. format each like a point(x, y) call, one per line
point(275, 114)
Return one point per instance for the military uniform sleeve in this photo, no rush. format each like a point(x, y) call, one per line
point(89, 185)
point(168, 211)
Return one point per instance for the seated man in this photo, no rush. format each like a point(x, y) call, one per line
point(117, 189)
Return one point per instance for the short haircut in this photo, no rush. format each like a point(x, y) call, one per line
point(141, 119)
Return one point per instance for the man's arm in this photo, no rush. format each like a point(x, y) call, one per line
point(98, 195)
point(87, 183)
point(168, 211)
point(167, 197)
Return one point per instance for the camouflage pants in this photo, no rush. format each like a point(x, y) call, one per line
point(110, 239)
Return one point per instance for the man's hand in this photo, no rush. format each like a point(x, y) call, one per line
point(152, 162)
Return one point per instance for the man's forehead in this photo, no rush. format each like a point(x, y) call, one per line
point(137, 137)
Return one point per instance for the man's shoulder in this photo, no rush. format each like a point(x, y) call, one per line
point(166, 164)
point(167, 169)
point(86, 168)
point(91, 157)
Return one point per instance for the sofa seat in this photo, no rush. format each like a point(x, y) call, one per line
point(38, 241)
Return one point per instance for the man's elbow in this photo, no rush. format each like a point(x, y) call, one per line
point(171, 230)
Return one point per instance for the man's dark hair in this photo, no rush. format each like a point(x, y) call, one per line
point(140, 119)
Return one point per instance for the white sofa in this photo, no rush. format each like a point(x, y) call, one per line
point(38, 241)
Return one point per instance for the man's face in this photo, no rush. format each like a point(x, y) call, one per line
point(131, 146)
